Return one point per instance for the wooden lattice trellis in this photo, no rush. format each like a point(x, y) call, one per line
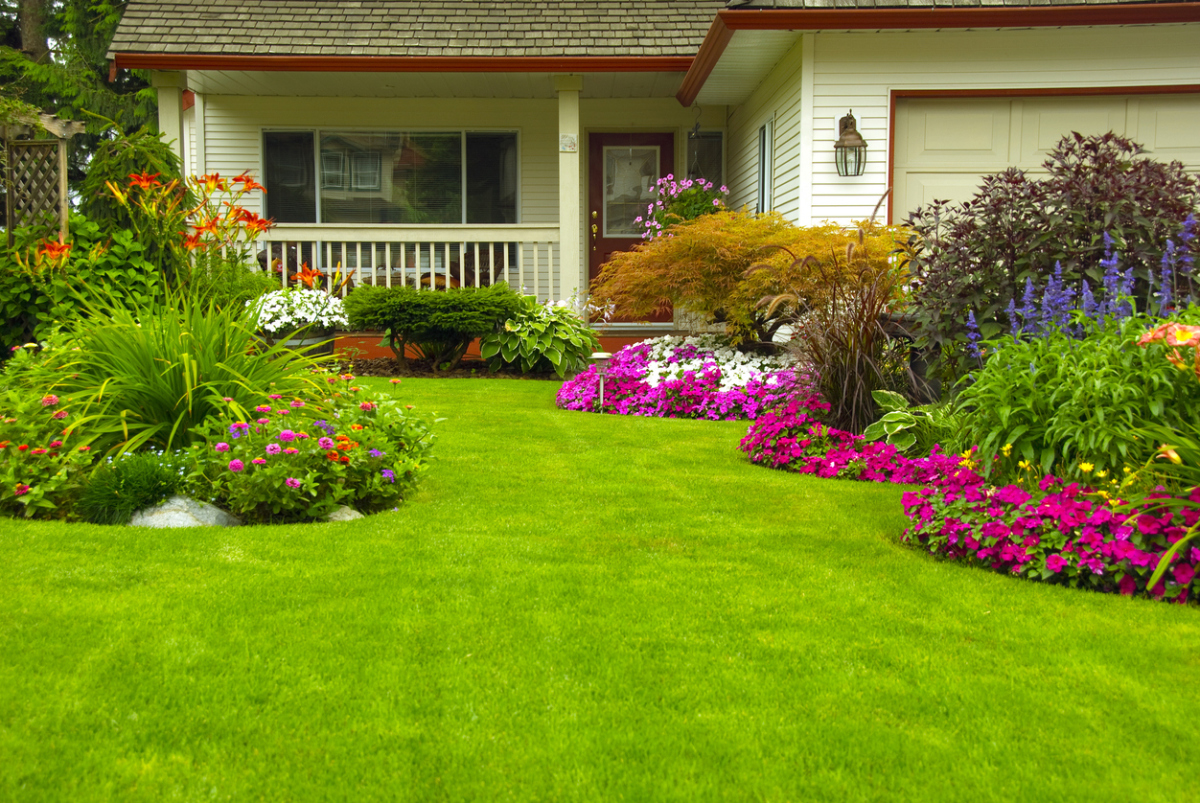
point(36, 183)
point(35, 170)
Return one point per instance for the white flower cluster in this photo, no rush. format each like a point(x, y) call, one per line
point(737, 369)
point(290, 309)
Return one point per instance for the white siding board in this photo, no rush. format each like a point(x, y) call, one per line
point(859, 70)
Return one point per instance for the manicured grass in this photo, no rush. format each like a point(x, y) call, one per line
point(577, 607)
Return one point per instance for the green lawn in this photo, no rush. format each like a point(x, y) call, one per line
point(577, 607)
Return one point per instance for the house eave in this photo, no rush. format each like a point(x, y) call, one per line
point(727, 22)
point(455, 64)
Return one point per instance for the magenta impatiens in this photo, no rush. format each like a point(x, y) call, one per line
point(673, 377)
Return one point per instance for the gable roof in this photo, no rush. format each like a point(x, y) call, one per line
point(415, 28)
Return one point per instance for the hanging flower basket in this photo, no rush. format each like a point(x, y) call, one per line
point(301, 318)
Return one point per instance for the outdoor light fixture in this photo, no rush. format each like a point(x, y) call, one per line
point(850, 151)
point(601, 358)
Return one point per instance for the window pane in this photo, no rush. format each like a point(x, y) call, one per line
point(629, 176)
point(391, 178)
point(491, 178)
point(704, 157)
point(291, 188)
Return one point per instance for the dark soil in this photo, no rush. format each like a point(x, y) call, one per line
point(474, 369)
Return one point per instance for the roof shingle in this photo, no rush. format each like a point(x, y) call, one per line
point(417, 27)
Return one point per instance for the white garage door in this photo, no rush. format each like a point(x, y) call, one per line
point(944, 146)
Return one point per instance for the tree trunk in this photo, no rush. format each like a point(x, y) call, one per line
point(32, 16)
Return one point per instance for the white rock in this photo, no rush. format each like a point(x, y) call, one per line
point(344, 513)
point(183, 511)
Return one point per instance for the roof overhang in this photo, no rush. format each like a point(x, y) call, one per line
point(728, 22)
point(432, 64)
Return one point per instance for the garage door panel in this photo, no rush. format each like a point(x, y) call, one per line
point(925, 188)
point(1045, 122)
point(1169, 127)
point(967, 132)
point(944, 146)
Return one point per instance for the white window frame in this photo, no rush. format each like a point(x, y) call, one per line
point(766, 164)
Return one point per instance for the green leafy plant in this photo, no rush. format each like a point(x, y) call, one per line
point(121, 487)
point(1059, 402)
point(679, 200)
point(541, 337)
point(43, 461)
point(438, 325)
point(912, 429)
point(142, 152)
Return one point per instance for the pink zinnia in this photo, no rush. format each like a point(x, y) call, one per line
point(258, 461)
point(60, 415)
point(222, 447)
point(21, 489)
point(262, 421)
point(290, 450)
point(275, 396)
point(287, 435)
point(297, 403)
point(367, 406)
point(273, 448)
point(292, 482)
point(236, 465)
point(262, 408)
point(325, 443)
point(49, 400)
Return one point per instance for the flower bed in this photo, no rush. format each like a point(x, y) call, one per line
point(1067, 534)
point(791, 437)
point(673, 377)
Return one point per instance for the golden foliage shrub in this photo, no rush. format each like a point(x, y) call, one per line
point(703, 267)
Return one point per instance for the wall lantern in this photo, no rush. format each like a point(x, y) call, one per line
point(850, 151)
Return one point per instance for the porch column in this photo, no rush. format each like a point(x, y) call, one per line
point(170, 86)
point(570, 185)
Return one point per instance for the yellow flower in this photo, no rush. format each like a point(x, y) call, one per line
point(1128, 469)
point(1102, 474)
point(1007, 450)
point(1024, 465)
point(1086, 468)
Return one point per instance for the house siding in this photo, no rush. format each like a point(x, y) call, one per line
point(776, 99)
point(859, 70)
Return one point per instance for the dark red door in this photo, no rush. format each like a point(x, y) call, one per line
point(622, 169)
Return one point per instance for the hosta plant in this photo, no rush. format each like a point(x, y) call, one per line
point(541, 337)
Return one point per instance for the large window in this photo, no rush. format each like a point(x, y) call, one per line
point(391, 177)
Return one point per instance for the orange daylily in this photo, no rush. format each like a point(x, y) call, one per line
point(192, 242)
point(206, 227)
point(144, 180)
point(1176, 335)
point(213, 182)
point(248, 183)
point(54, 250)
point(309, 277)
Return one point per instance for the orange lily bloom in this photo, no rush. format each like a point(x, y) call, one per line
point(54, 250)
point(144, 180)
point(192, 242)
point(308, 276)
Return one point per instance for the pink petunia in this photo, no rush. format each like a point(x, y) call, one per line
point(1184, 572)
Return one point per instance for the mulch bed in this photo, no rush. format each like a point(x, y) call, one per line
point(473, 369)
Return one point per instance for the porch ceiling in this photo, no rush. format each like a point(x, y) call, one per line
point(429, 85)
point(744, 64)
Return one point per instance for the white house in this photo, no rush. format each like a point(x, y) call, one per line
point(463, 141)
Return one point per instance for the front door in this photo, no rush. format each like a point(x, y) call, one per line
point(622, 169)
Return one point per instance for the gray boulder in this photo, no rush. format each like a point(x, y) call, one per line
point(344, 513)
point(183, 511)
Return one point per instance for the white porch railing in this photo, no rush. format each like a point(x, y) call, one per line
point(434, 257)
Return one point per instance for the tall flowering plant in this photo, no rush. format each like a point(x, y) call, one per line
point(677, 200)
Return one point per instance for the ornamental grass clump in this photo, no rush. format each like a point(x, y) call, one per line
point(298, 460)
point(673, 377)
point(149, 377)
